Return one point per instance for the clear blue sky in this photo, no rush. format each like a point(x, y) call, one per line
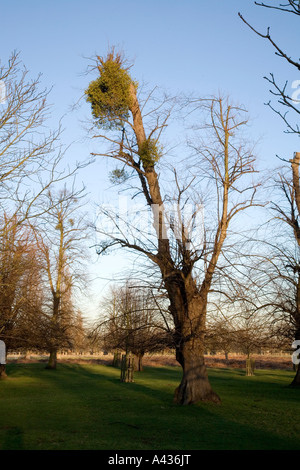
point(195, 46)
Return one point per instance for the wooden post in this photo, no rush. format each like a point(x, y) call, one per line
point(127, 368)
point(250, 366)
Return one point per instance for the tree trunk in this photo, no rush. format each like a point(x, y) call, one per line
point(117, 359)
point(52, 361)
point(295, 162)
point(296, 186)
point(296, 380)
point(226, 357)
point(127, 368)
point(195, 385)
point(138, 363)
point(250, 366)
point(3, 374)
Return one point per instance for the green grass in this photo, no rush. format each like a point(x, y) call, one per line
point(87, 407)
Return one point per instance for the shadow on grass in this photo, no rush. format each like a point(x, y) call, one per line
point(13, 439)
point(95, 410)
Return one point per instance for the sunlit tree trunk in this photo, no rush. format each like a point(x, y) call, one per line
point(195, 385)
point(296, 380)
point(188, 307)
point(52, 361)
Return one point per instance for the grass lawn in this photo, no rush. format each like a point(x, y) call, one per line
point(81, 407)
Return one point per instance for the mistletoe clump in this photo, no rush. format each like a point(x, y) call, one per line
point(109, 94)
point(149, 153)
point(118, 176)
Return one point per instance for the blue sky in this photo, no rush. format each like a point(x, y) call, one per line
point(192, 46)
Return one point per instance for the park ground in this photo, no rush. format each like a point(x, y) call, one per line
point(83, 405)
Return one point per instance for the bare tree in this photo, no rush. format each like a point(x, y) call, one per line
point(252, 331)
point(219, 337)
point(131, 321)
point(280, 263)
point(286, 301)
point(175, 246)
point(31, 153)
point(20, 286)
point(284, 95)
point(31, 162)
point(79, 332)
point(59, 235)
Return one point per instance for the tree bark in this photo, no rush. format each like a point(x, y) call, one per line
point(3, 374)
point(250, 365)
point(52, 361)
point(139, 362)
point(296, 380)
point(190, 332)
point(226, 357)
point(117, 359)
point(127, 368)
point(295, 162)
point(195, 385)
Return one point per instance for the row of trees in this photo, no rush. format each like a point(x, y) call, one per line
point(136, 321)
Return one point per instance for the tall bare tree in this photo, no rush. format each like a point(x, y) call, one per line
point(286, 270)
point(59, 234)
point(283, 263)
point(31, 162)
point(176, 245)
point(20, 287)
